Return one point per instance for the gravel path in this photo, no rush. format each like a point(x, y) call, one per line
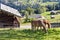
point(25, 27)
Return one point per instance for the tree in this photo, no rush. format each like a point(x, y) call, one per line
point(22, 12)
point(26, 15)
point(59, 5)
point(40, 10)
point(30, 10)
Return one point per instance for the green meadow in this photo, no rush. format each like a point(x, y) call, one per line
point(52, 34)
point(33, 7)
point(47, 16)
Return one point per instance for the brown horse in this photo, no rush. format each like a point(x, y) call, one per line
point(40, 23)
point(46, 22)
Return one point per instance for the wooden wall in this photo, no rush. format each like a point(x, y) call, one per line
point(7, 19)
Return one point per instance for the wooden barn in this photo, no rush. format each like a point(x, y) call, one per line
point(9, 17)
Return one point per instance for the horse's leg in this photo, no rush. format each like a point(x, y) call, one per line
point(37, 27)
point(41, 27)
point(49, 25)
point(44, 26)
point(32, 26)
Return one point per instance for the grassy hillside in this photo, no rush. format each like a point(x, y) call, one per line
point(30, 35)
point(48, 3)
point(47, 15)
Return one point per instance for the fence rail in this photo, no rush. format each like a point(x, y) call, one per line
point(55, 24)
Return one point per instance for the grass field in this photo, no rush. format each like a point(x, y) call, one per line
point(47, 15)
point(53, 34)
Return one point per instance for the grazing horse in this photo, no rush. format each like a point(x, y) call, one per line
point(40, 23)
point(46, 22)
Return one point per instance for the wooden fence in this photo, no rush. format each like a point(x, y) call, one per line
point(55, 24)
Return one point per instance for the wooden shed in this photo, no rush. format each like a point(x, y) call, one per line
point(9, 17)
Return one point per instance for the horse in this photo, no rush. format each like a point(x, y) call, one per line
point(46, 22)
point(40, 23)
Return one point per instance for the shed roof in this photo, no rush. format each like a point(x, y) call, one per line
point(9, 9)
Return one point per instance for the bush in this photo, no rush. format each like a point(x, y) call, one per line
point(27, 20)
